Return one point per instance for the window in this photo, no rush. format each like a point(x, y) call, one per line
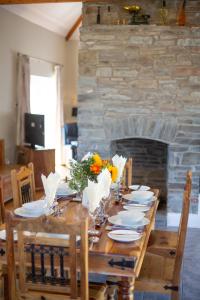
point(43, 101)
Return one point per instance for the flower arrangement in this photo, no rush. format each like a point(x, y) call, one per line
point(88, 169)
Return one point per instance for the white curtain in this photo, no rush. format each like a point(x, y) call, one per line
point(23, 94)
point(59, 118)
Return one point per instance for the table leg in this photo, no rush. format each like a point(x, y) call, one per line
point(126, 288)
point(2, 208)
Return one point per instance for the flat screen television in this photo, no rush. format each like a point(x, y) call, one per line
point(34, 129)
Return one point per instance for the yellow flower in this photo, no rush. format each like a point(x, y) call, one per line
point(114, 172)
point(97, 160)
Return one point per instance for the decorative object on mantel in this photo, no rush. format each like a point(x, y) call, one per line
point(164, 13)
point(181, 20)
point(98, 15)
point(137, 18)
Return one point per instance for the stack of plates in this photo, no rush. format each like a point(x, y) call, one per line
point(129, 219)
point(139, 197)
point(32, 209)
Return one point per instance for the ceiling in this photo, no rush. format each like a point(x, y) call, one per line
point(56, 17)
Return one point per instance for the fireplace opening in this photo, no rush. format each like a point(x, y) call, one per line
point(149, 162)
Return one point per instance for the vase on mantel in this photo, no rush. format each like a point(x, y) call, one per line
point(182, 16)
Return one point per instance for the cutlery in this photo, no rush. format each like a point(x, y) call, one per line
point(134, 203)
point(139, 186)
point(127, 233)
point(110, 227)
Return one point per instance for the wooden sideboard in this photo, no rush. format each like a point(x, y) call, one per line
point(43, 160)
point(5, 182)
point(5, 178)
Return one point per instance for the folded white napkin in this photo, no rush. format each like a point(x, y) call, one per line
point(50, 185)
point(119, 162)
point(92, 195)
point(105, 180)
point(86, 156)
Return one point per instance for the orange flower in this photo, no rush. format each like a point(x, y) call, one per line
point(97, 160)
point(95, 168)
point(114, 172)
point(105, 163)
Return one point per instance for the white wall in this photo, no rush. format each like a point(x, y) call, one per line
point(19, 35)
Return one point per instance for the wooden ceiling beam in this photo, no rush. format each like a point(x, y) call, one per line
point(3, 2)
point(74, 27)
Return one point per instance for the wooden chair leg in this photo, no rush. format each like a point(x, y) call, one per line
point(5, 286)
point(175, 295)
point(111, 292)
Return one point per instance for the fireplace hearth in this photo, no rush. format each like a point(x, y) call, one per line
point(150, 163)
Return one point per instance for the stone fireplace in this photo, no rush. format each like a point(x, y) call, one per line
point(141, 84)
point(150, 162)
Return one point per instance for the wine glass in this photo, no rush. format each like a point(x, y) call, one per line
point(92, 231)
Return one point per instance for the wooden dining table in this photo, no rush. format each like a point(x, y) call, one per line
point(108, 257)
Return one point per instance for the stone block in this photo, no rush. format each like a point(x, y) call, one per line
point(104, 72)
point(86, 56)
point(184, 59)
point(194, 80)
point(191, 158)
point(121, 72)
point(141, 40)
point(188, 42)
point(145, 84)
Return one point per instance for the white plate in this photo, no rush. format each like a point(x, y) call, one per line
point(116, 220)
point(135, 216)
point(142, 187)
point(124, 235)
point(136, 208)
point(22, 212)
point(64, 190)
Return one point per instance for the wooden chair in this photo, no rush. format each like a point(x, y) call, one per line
point(44, 262)
point(162, 264)
point(23, 185)
point(2, 152)
point(127, 174)
point(2, 209)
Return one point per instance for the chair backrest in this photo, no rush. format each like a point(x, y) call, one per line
point(182, 228)
point(2, 152)
point(23, 185)
point(127, 174)
point(44, 261)
point(2, 208)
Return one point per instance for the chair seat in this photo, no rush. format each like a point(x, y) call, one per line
point(156, 273)
point(163, 243)
point(96, 292)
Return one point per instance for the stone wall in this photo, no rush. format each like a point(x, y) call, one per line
point(143, 82)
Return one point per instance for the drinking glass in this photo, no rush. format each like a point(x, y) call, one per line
point(92, 231)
